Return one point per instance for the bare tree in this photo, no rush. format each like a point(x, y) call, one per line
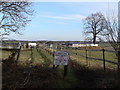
point(112, 33)
point(14, 16)
point(94, 25)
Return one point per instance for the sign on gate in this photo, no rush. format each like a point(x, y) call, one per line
point(61, 58)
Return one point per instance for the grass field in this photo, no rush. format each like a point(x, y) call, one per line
point(35, 70)
point(106, 46)
point(5, 54)
point(75, 54)
point(25, 55)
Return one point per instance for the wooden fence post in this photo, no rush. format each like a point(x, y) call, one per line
point(119, 67)
point(76, 51)
point(53, 66)
point(86, 57)
point(18, 55)
point(65, 69)
point(104, 60)
point(89, 55)
point(118, 61)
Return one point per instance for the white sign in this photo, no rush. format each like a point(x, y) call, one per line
point(61, 58)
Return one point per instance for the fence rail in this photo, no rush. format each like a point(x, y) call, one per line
point(111, 51)
point(92, 58)
point(15, 51)
point(99, 50)
point(109, 61)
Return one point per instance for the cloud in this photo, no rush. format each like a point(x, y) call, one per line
point(76, 17)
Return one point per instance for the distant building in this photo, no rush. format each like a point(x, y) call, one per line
point(80, 44)
point(32, 45)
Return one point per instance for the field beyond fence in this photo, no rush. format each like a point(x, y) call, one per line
point(87, 68)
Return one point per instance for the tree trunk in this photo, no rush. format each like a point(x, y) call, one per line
point(94, 39)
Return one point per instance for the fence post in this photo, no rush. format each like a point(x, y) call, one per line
point(18, 55)
point(76, 51)
point(104, 60)
point(119, 66)
point(89, 55)
point(118, 61)
point(86, 58)
point(65, 69)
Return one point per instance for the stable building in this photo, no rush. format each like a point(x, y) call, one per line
point(32, 45)
point(80, 44)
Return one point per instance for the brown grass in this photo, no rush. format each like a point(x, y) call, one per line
point(19, 76)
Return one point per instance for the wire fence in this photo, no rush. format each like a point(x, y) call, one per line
point(99, 59)
point(15, 52)
point(87, 57)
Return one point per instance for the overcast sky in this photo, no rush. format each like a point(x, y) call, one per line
point(62, 20)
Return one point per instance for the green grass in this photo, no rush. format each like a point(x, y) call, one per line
point(94, 54)
point(5, 54)
point(106, 46)
point(43, 74)
point(37, 58)
point(47, 59)
point(25, 55)
point(69, 81)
